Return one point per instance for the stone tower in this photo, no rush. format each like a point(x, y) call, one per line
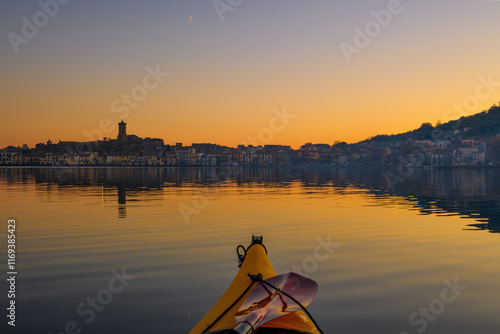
point(122, 131)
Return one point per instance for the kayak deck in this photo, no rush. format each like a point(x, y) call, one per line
point(221, 316)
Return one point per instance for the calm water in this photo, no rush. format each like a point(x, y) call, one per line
point(397, 244)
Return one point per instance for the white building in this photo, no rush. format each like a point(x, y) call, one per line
point(468, 156)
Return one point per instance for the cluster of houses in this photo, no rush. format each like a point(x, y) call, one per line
point(111, 154)
point(459, 152)
point(152, 152)
point(131, 150)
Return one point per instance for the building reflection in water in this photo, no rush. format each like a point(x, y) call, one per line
point(471, 193)
point(122, 201)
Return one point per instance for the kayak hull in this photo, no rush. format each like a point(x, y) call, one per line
point(222, 315)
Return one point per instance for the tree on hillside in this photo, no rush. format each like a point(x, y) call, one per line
point(424, 132)
point(426, 127)
point(340, 144)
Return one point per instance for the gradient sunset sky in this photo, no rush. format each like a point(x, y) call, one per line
point(226, 76)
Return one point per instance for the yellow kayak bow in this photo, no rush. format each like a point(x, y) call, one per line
point(222, 316)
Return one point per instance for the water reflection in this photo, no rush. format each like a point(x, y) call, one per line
point(470, 193)
point(122, 201)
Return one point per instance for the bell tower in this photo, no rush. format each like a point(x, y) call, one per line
point(122, 131)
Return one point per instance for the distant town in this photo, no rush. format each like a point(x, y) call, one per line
point(469, 141)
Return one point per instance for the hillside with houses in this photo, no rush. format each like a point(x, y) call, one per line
point(468, 141)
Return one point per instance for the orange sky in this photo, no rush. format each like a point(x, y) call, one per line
point(226, 77)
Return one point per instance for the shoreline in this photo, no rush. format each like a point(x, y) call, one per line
point(261, 167)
